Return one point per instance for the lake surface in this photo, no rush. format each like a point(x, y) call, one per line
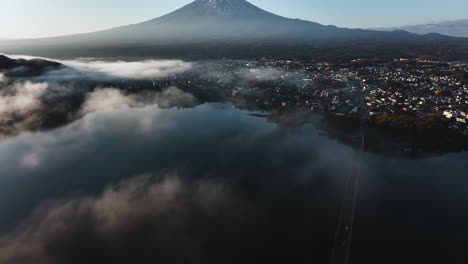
point(215, 184)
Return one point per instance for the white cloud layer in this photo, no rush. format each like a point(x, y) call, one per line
point(148, 69)
point(21, 98)
point(113, 99)
point(20, 106)
point(109, 99)
point(43, 102)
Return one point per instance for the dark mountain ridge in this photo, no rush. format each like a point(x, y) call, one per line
point(454, 28)
point(26, 68)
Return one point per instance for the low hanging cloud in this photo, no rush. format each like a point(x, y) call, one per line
point(21, 97)
point(175, 97)
point(31, 159)
point(89, 85)
point(109, 99)
point(89, 68)
point(29, 106)
point(263, 74)
point(148, 69)
point(113, 99)
point(20, 106)
point(58, 95)
point(147, 217)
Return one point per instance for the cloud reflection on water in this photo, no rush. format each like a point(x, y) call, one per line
point(275, 177)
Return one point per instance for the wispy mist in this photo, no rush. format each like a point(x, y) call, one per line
point(154, 214)
point(135, 70)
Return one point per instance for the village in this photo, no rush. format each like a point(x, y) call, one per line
point(418, 88)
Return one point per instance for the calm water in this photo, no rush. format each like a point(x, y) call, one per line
point(214, 184)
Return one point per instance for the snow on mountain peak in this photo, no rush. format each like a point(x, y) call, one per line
point(226, 6)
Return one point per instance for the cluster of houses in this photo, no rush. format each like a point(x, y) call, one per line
point(424, 89)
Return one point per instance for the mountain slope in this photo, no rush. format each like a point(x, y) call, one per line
point(237, 20)
point(207, 22)
point(455, 28)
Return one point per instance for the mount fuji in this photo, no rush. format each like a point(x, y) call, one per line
point(203, 24)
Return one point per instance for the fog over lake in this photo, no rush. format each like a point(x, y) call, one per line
point(215, 184)
point(129, 176)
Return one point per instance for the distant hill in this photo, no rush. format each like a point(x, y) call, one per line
point(26, 68)
point(227, 28)
point(455, 28)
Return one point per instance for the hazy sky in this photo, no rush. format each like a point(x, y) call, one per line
point(38, 18)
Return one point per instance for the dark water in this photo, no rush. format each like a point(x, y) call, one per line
point(214, 184)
